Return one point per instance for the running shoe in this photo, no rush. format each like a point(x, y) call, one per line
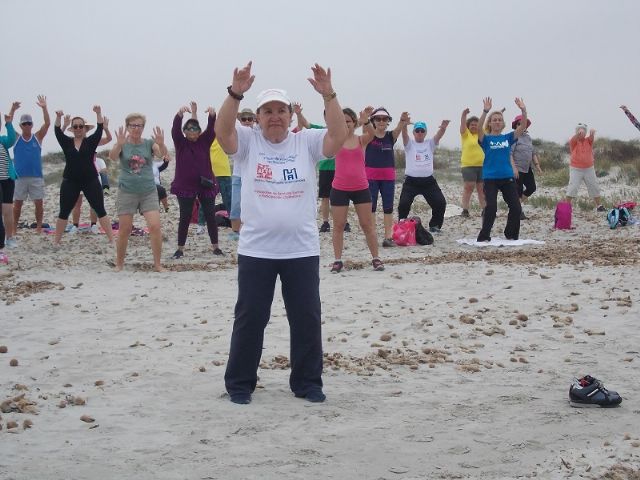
point(465, 213)
point(601, 208)
point(234, 236)
point(388, 242)
point(200, 230)
point(313, 396)
point(589, 392)
point(217, 251)
point(11, 243)
point(347, 227)
point(71, 228)
point(337, 266)
point(95, 229)
point(4, 260)
point(325, 227)
point(377, 264)
point(434, 229)
point(179, 254)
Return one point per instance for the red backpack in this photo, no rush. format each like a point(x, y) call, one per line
point(563, 216)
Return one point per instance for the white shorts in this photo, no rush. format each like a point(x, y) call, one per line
point(29, 188)
point(586, 175)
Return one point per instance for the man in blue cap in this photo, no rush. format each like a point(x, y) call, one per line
point(419, 178)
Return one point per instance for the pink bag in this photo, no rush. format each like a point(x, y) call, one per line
point(404, 233)
point(563, 216)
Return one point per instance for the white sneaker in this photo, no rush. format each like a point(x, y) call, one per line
point(95, 229)
point(200, 230)
point(71, 229)
point(11, 243)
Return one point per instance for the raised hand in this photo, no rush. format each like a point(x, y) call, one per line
point(624, 108)
point(42, 101)
point(466, 111)
point(242, 79)
point(121, 136)
point(321, 80)
point(194, 107)
point(365, 114)
point(592, 132)
point(444, 124)
point(210, 111)
point(97, 109)
point(67, 121)
point(297, 108)
point(486, 104)
point(405, 117)
point(184, 109)
point(59, 114)
point(158, 136)
point(520, 103)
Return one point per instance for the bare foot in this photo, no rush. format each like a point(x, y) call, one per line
point(158, 268)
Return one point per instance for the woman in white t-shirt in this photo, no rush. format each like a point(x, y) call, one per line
point(279, 234)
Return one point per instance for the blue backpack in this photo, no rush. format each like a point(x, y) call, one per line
point(618, 216)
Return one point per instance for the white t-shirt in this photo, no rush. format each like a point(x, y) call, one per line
point(278, 196)
point(100, 165)
point(419, 158)
point(156, 170)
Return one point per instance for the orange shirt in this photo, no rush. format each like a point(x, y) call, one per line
point(581, 152)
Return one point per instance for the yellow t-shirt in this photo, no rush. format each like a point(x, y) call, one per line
point(472, 153)
point(219, 160)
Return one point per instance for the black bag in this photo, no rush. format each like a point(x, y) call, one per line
point(423, 237)
point(207, 182)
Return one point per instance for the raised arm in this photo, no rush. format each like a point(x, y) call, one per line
point(523, 123)
point(441, 129)
point(209, 134)
point(42, 103)
point(630, 116)
point(225, 127)
point(463, 121)
point(121, 139)
point(404, 120)
point(8, 118)
point(194, 110)
point(176, 127)
point(301, 119)
point(105, 126)
point(60, 136)
point(367, 133)
point(159, 148)
point(405, 128)
point(336, 126)
point(486, 107)
point(592, 136)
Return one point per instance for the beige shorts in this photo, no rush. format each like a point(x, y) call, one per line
point(29, 188)
point(130, 203)
point(586, 175)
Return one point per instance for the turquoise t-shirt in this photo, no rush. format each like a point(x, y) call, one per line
point(327, 163)
point(136, 167)
point(497, 156)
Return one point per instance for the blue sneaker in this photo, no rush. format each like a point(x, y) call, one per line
point(589, 392)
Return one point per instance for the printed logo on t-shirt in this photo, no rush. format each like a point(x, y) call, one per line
point(136, 162)
point(498, 145)
point(289, 174)
point(264, 172)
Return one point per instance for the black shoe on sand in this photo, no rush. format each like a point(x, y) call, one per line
point(589, 392)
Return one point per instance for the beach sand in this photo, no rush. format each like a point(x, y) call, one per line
point(455, 362)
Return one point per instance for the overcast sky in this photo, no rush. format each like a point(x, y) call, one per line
point(571, 61)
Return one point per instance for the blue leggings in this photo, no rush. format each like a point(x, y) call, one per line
point(387, 190)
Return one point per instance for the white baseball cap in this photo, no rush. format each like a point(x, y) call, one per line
point(273, 95)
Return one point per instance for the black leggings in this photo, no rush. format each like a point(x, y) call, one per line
point(70, 191)
point(526, 183)
point(1, 224)
point(427, 187)
point(186, 210)
point(510, 195)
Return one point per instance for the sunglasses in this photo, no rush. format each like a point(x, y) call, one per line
point(247, 119)
point(77, 126)
point(28, 124)
point(380, 119)
point(419, 130)
point(192, 129)
point(135, 125)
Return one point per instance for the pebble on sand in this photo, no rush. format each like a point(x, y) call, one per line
point(13, 362)
point(3, 349)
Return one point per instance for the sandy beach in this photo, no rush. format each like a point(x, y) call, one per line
point(453, 363)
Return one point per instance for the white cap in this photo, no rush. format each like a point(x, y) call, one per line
point(273, 95)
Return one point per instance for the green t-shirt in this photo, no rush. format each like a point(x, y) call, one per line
point(327, 163)
point(136, 167)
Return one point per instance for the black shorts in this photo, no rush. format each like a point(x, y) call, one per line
point(325, 179)
point(162, 192)
point(340, 198)
point(8, 186)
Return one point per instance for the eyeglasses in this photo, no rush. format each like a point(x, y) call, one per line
point(246, 119)
point(28, 124)
point(135, 125)
point(420, 130)
point(77, 126)
point(380, 119)
point(192, 129)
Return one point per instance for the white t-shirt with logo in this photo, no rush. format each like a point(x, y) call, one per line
point(100, 165)
point(278, 197)
point(419, 158)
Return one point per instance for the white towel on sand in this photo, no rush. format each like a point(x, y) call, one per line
point(499, 242)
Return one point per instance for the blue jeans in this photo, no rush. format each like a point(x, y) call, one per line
point(300, 278)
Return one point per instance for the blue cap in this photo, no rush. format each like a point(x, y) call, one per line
point(418, 125)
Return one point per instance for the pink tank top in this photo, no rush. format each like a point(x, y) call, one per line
point(350, 172)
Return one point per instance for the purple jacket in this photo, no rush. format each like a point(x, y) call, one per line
point(193, 162)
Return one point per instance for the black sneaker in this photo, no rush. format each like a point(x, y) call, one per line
point(313, 396)
point(589, 392)
point(241, 398)
point(601, 208)
point(337, 266)
point(523, 216)
point(465, 213)
point(325, 227)
point(347, 227)
point(179, 254)
point(217, 251)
